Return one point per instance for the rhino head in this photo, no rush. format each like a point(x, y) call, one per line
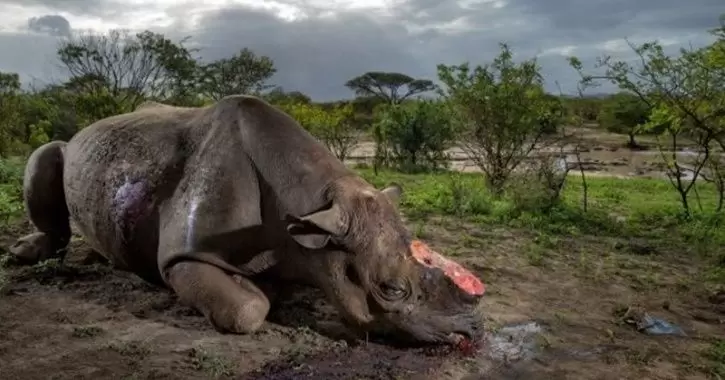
point(382, 280)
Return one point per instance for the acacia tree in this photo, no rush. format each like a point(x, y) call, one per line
point(686, 98)
point(242, 73)
point(391, 87)
point(497, 109)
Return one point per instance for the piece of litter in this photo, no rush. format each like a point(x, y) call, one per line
point(657, 326)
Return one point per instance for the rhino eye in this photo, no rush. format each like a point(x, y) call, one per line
point(393, 291)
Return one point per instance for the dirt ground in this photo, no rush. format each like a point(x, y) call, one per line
point(89, 321)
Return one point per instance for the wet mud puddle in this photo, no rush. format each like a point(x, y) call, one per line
point(511, 343)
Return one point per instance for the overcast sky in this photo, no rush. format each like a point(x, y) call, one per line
point(317, 45)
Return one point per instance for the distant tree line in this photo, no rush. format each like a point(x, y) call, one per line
point(497, 112)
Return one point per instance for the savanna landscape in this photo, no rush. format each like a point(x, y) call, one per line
point(596, 222)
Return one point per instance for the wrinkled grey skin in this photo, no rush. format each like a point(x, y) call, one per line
point(208, 200)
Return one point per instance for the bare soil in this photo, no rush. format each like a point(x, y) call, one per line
point(88, 321)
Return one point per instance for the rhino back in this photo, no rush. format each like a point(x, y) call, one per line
point(293, 164)
point(117, 172)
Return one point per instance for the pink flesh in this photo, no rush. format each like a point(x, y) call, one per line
point(461, 276)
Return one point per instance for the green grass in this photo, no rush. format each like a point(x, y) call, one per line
point(636, 207)
point(639, 200)
point(213, 365)
point(11, 205)
point(716, 353)
point(11, 185)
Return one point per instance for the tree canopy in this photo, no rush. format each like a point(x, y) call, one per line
point(389, 86)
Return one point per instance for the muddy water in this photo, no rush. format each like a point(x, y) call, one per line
point(601, 161)
point(513, 342)
point(519, 351)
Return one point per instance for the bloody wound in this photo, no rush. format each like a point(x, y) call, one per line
point(461, 276)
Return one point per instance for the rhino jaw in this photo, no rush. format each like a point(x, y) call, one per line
point(462, 277)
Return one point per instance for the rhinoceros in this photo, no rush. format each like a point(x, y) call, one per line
point(210, 200)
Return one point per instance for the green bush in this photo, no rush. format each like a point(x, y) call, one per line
point(11, 188)
point(413, 136)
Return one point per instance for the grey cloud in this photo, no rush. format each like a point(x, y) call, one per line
point(30, 55)
point(317, 55)
point(53, 25)
point(609, 15)
point(77, 7)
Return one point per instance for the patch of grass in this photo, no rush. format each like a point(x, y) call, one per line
point(133, 376)
point(47, 267)
point(4, 278)
point(622, 208)
point(86, 331)
point(209, 363)
point(132, 349)
point(535, 255)
point(716, 354)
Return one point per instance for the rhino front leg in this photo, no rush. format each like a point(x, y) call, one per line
point(230, 303)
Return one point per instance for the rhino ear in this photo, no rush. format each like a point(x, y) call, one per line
point(394, 192)
point(314, 230)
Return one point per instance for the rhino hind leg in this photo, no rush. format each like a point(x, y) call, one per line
point(232, 304)
point(45, 206)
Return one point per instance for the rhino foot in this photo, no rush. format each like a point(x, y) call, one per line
point(232, 304)
point(33, 248)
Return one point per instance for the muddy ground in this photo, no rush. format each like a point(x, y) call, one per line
point(89, 321)
point(601, 153)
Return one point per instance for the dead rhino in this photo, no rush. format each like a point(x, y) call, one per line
point(210, 201)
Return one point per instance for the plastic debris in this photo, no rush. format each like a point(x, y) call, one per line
point(657, 326)
point(645, 323)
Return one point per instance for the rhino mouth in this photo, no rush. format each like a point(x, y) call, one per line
point(403, 338)
point(426, 328)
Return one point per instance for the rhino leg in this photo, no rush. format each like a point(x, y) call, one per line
point(231, 303)
point(45, 206)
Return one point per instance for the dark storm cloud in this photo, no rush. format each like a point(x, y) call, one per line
point(53, 25)
point(318, 54)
